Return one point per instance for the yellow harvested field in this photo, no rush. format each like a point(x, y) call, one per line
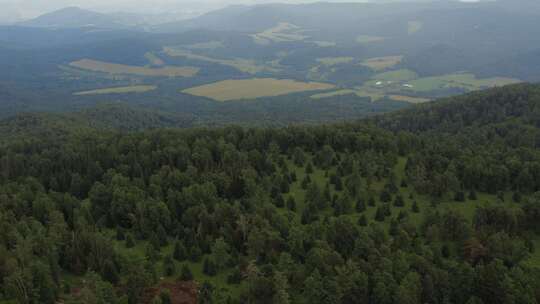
point(409, 99)
point(118, 90)
point(382, 63)
point(113, 68)
point(254, 88)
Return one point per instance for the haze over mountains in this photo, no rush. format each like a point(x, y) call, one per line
point(369, 57)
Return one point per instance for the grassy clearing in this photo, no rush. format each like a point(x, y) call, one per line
point(254, 88)
point(382, 63)
point(113, 68)
point(283, 32)
point(414, 26)
point(119, 90)
point(243, 65)
point(459, 80)
point(330, 61)
point(363, 39)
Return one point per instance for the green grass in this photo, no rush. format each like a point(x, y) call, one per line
point(460, 80)
point(397, 75)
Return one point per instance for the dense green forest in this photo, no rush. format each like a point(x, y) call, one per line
point(435, 204)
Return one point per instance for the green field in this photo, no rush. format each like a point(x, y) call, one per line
point(460, 80)
point(243, 65)
point(330, 61)
point(382, 63)
point(122, 69)
point(118, 90)
point(254, 88)
point(363, 39)
point(397, 76)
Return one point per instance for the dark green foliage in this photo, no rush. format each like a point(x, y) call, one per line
point(195, 254)
point(291, 203)
point(130, 242)
point(360, 206)
point(385, 196)
point(66, 200)
point(169, 268)
point(185, 273)
point(362, 220)
point(209, 267)
point(415, 208)
point(398, 201)
point(459, 196)
point(165, 297)
point(179, 251)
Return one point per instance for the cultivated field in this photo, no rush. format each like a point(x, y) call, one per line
point(254, 88)
point(397, 75)
point(408, 99)
point(113, 68)
point(368, 39)
point(243, 65)
point(118, 90)
point(382, 63)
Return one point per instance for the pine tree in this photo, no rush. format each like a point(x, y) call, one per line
point(360, 206)
point(169, 268)
point(472, 195)
point(179, 252)
point(398, 201)
point(110, 273)
point(209, 267)
point(362, 221)
point(291, 203)
point(165, 297)
point(415, 207)
point(130, 243)
point(186, 274)
point(379, 214)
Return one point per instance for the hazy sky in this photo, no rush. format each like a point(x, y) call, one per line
point(17, 9)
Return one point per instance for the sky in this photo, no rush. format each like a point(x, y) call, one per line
point(13, 10)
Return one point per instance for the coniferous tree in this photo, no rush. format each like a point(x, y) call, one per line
point(186, 274)
point(291, 203)
point(179, 251)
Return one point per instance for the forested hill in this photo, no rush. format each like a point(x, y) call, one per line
point(342, 214)
point(110, 117)
point(521, 102)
